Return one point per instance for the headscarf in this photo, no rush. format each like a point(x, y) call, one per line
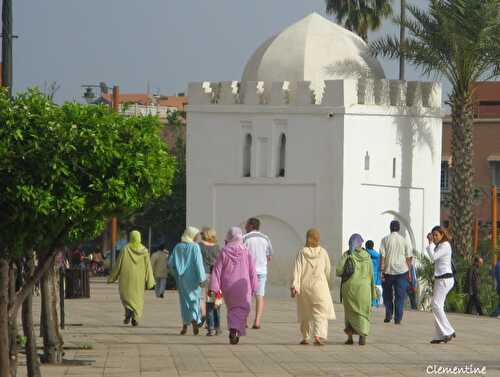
point(135, 240)
point(355, 242)
point(234, 236)
point(312, 238)
point(189, 234)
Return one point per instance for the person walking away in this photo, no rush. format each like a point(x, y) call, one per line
point(209, 251)
point(186, 263)
point(395, 263)
point(440, 253)
point(134, 272)
point(474, 284)
point(375, 256)
point(159, 262)
point(357, 291)
point(496, 273)
point(311, 286)
point(261, 249)
point(234, 274)
point(411, 291)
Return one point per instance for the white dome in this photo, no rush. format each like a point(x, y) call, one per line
point(313, 49)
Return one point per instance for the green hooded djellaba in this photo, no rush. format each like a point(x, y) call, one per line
point(358, 290)
point(135, 274)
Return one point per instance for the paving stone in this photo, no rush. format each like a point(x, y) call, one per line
point(155, 348)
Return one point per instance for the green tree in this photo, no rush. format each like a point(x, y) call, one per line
point(63, 170)
point(458, 40)
point(360, 16)
point(166, 215)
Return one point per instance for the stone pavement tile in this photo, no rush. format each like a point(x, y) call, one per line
point(197, 374)
point(228, 366)
point(303, 369)
point(86, 370)
point(374, 370)
point(163, 373)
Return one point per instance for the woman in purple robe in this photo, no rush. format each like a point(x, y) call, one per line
point(234, 274)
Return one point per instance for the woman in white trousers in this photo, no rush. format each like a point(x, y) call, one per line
point(439, 250)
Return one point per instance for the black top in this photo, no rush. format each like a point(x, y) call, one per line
point(209, 254)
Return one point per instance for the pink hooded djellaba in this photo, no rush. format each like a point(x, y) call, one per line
point(234, 274)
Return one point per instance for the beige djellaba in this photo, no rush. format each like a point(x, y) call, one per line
point(311, 278)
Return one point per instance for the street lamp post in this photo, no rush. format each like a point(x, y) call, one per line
point(7, 37)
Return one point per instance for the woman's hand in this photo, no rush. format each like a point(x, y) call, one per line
point(429, 238)
point(294, 292)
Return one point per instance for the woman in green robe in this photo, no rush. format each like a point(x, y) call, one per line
point(134, 271)
point(357, 291)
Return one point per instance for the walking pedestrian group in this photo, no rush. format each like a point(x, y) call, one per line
point(206, 275)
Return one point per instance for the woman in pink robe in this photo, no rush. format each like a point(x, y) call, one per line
point(234, 274)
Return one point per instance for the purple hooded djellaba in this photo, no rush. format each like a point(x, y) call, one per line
point(234, 274)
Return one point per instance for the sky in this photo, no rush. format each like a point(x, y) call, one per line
point(166, 43)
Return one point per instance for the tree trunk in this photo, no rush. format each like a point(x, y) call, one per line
point(32, 359)
point(4, 323)
point(12, 322)
point(52, 340)
point(462, 189)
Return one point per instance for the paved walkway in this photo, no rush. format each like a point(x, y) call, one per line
point(156, 349)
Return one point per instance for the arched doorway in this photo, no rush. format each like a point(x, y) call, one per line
point(286, 242)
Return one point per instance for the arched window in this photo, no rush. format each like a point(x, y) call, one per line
point(281, 157)
point(367, 161)
point(247, 156)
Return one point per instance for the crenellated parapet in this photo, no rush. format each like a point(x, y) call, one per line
point(348, 92)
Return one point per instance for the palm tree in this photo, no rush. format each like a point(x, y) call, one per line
point(360, 16)
point(458, 40)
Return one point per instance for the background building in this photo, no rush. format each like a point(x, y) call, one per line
point(486, 161)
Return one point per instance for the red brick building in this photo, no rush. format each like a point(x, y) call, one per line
point(486, 140)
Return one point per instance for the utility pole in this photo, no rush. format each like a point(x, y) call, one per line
point(494, 218)
point(402, 37)
point(114, 222)
point(7, 45)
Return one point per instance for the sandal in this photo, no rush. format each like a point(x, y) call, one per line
point(318, 341)
point(233, 336)
point(349, 340)
point(184, 330)
point(304, 342)
point(196, 329)
point(437, 341)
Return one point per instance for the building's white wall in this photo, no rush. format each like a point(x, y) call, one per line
point(308, 196)
point(373, 198)
point(326, 185)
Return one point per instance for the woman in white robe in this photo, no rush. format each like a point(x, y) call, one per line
point(311, 278)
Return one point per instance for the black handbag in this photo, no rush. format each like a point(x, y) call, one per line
point(348, 267)
point(347, 271)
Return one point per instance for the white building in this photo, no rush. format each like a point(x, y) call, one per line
point(314, 136)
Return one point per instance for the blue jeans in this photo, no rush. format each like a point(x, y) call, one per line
point(161, 285)
point(394, 293)
point(213, 321)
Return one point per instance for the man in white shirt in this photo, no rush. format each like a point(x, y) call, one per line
point(394, 264)
point(261, 249)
